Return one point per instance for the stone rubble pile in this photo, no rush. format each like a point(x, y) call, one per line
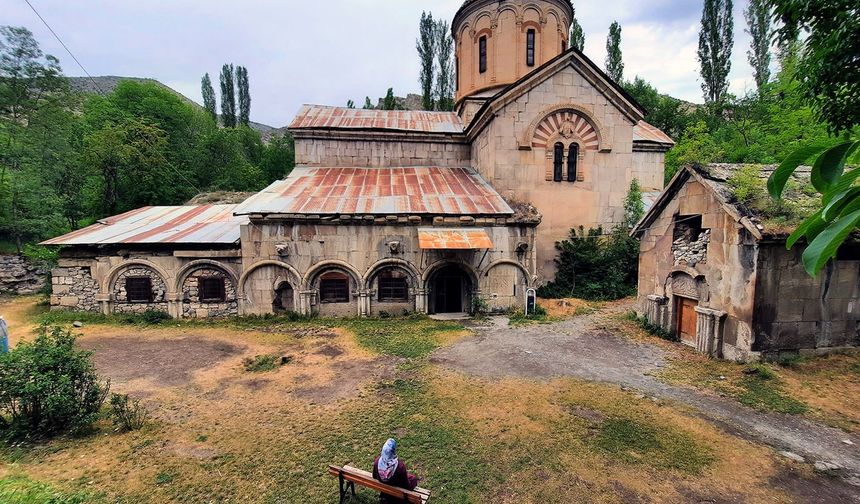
point(692, 253)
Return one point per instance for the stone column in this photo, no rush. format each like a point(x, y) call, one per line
point(104, 303)
point(306, 301)
point(421, 301)
point(656, 310)
point(174, 304)
point(709, 331)
point(363, 303)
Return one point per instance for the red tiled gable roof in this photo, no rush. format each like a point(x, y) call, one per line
point(197, 224)
point(644, 132)
point(321, 117)
point(379, 191)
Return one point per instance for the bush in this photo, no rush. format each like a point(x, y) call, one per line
point(127, 414)
point(595, 266)
point(48, 387)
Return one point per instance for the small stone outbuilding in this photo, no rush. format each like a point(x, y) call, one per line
point(717, 273)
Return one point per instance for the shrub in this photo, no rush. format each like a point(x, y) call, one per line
point(48, 387)
point(127, 414)
point(261, 363)
point(595, 266)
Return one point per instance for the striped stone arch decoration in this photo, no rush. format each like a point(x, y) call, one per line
point(566, 124)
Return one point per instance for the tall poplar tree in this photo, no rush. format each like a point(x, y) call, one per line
point(208, 96)
point(715, 49)
point(228, 97)
point(368, 105)
point(426, 46)
point(757, 15)
point(614, 62)
point(244, 88)
point(444, 67)
point(577, 36)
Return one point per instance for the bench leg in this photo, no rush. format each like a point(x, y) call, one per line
point(347, 489)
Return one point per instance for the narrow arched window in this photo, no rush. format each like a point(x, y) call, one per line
point(558, 162)
point(572, 162)
point(456, 73)
point(530, 47)
point(482, 54)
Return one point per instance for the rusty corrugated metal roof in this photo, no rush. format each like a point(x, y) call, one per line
point(197, 224)
point(454, 239)
point(322, 117)
point(379, 191)
point(644, 132)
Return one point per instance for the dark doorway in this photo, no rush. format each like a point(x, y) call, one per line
point(451, 288)
point(284, 301)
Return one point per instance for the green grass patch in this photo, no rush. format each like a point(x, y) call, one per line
point(261, 363)
point(519, 317)
point(22, 490)
point(761, 389)
point(65, 317)
point(635, 442)
point(406, 337)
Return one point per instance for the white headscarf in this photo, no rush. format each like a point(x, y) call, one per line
point(388, 460)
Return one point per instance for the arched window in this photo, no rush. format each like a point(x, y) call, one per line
point(530, 47)
point(456, 73)
point(482, 54)
point(334, 288)
point(558, 162)
point(572, 162)
point(393, 286)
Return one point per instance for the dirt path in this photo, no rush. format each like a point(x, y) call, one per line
point(580, 348)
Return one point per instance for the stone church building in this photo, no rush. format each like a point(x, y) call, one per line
point(398, 211)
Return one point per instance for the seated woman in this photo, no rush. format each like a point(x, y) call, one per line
point(388, 469)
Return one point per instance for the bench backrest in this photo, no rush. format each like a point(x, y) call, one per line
point(366, 479)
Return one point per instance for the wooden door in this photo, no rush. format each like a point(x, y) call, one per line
point(687, 320)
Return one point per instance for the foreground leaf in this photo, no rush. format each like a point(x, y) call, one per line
point(828, 168)
point(814, 222)
point(825, 246)
point(776, 182)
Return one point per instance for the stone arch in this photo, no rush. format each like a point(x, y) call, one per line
point(110, 278)
point(500, 262)
point(559, 119)
point(451, 287)
point(687, 282)
point(189, 289)
point(259, 297)
point(433, 268)
point(191, 267)
point(158, 284)
point(407, 266)
point(321, 267)
point(312, 283)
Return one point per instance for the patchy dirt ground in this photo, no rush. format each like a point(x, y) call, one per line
point(583, 348)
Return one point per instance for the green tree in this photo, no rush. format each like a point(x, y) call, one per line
point(634, 207)
point(759, 28)
point(279, 158)
point(244, 92)
point(228, 97)
point(209, 97)
point(577, 36)
point(426, 46)
point(697, 146)
point(444, 66)
point(368, 105)
point(716, 40)
point(830, 81)
point(614, 61)
point(667, 113)
point(390, 101)
point(350, 104)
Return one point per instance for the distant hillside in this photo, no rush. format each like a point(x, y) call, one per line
point(107, 83)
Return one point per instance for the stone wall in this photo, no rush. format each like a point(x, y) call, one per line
point(74, 288)
point(194, 307)
point(690, 253)
point(368, 153)
point(796, 313)
point(119, 296)
point(18, 276)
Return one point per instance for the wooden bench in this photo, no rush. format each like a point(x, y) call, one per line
point(349, 476)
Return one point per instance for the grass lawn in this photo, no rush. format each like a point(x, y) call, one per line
point(822, 388)
point(224, 433)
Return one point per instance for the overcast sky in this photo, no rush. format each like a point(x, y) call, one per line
point(327, 52)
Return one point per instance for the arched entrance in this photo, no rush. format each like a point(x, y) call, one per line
point(450, 290)
point(284, 298)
